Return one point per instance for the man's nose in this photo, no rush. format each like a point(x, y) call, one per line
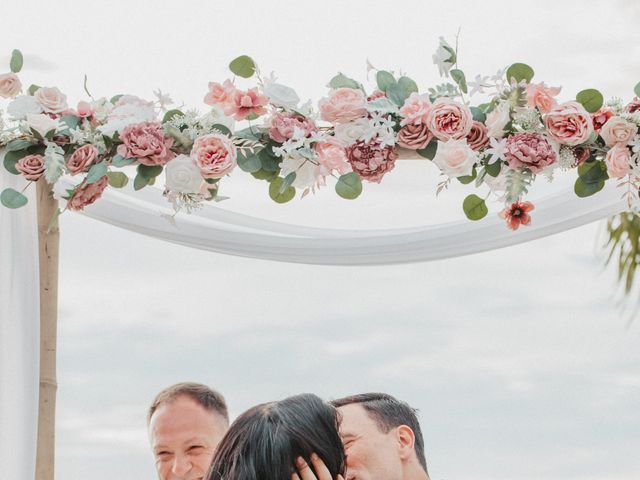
point(181, 465)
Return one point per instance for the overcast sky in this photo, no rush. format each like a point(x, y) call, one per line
point(518, 359)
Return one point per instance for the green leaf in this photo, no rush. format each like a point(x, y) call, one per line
point(140, 182)
point(119, 161)
point(265, 175)
point(468, 178)
point(16, 61)
point(637, 89)
point(115, 98)
point(408, 85)
point(96, 172)
point(11, 198)
point(71, 121)
point(243, 66)
point(591, 99)
point(269, 160)
point(149, 172)
point(349, 186)
point(249, 162)
point(33, 89)
point(396, 94)
point(494, 168)
point(15, 145)
point(474, 207)
point(430, 150)
point(520, 71)
point(593, 172)
point(459, 78)
point(584, 189)
point(478, 114)
point(384, 80)
point(170, 114)
point(342, 81)
point(117, 179)
point(250, 133)
point(221, 129)
point(288, 181)
point(276, 195)
point(11, 158)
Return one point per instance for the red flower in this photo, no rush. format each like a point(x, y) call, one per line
point(517, 214)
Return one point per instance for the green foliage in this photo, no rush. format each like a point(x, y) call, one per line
point(623, 232)
point(278, 194)
point(11, 198)
point(478, 114)
point(519, 72)
point(349, 186)
point(429, 151)
point(249, 162)
point(140, 182)
point(474, 207)
point(459, 78)
point(11, 158)
point(149, 172)
point(96, 172)
point(591, 99)
point(636, 90)
point(518, 183)
point(15, 145)
point(170, 114)
point(117, 179)
point(222, 129)
point(243, 66)
point(33, 89)
point(493, 169)
point(465, 180)
point(119, 161)
point(264, 175)
point(591, 178)
point(16, 62)
point(408, 85)
point(269, 160)
point(384, 80)
point(342, 81)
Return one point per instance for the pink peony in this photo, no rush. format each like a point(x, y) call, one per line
point(448, 119)
point(569, 124)
point(531, 150)
point(219, 94)
point(215, 155)
point(343, 105)
point(634, 106)
point(478, 137)
point(82, 159)
point(618, 161)
point(517, 214)
point(414, 137)
point(541, 96)
point(147, 143)
point(51, 99)
point(282, 125)
point(332, 156)
point(415, 109)
point(370, 160)
point(31, 166)
point(10, 85)
point(601, 117)
point(87, 193)
point(618, 130)
point(241, 104)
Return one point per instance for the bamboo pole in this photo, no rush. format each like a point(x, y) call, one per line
point(48, 241)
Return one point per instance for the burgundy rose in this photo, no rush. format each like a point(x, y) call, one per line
point(147, 143)
point(370, 160)
point(600, 117)
point(31, 166)
point(478, 137)
point(87, 193)
point(82, 159)
point(634, 106)
point(414, 137)
point(531, 150)
point(582, 154)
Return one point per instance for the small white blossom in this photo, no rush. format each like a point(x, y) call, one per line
point(496, 150)
point(566, 159)
point(478, 85)
point(163, 99)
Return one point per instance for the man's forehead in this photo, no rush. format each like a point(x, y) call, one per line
point(355, 420)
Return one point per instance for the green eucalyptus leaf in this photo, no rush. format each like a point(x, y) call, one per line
point(591, 99)
point(459, 78)
point(584, 189)
point(11, 198)
point(494, 168)
point(243, 66)
point(342, 81)
point(149, 172)
point(96, 172)
point(288, 181)
point(15, 145)
point(408, 85)
point(429, 151)
point(349, 186)
point(269, 160)
point(396, 94)
point(140, 182)
point(33, 89)
point(279, 196)
point(119, 161)
point(265, 175)
point(16, 62)
point(520, 72)
point(11, 158)
point(636, 90)
point(478, 114)
point(466, 179)
point(384, 80)
point(117, 179)
point(249, 162)
point(221, 128)
point(474, 207)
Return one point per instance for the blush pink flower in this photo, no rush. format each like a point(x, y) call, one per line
point(85, 109)
point(531, 150)
point(86, 194)
point(618, 161)
point(541, 96)
point(370, 160)
point(282, 125)
point(31, 166)
point(219, 94)
point(478, 137)
point(214, 154)
point(448, 119)
point(332, 157)
point(569, 124)
point(600, 117)
point(82, 159)
point(414, 137)
point(241, 104)
point(147, 143)
point(343, 105)
point(415, 109)
point(517, 214)
point(10, 85)
point(51, 99)
point(618, 130)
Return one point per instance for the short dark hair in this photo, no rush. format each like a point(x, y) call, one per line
point(264, 442)
point(388, 412)
point(201, 394)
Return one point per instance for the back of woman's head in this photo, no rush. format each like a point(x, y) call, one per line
point(265, 441)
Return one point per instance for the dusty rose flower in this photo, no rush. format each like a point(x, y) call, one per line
point(376, 95)
point(449, 119)
point(414, 137)
point(282, 125)
point(31, 166)
point(215, 155)
point(87, 193)
point(241, 104)
point(569, 124)
point(634, 106)
point(219, 94)
point(531, 150)
point(618, 130)
point(517, 214)
point(370, 160)
point(478, 137)
point(415, 109)
point(332, 156)
point(541, 96)
point(51, 99)
point(618, 161)
point(600, 117)
point(82, 159)
point(147, 143)
point(343, 105)
point(582, 154)
point(10, 85)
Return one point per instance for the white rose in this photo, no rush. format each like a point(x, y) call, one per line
point(42, 123)
point(23, 105)
point(129, 110)
point(497, 119)
point(455, 158)
point(350, 132)
point(443, 58)
point(281, 95)
point(307, 172)
point(51, 99)
point(183, 175)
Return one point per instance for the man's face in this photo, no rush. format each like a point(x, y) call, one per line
point(184, 436)
point(371, 454)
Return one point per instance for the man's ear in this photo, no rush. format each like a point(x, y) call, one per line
point(406, 441)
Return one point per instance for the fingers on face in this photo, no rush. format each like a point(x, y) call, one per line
point(305, 472)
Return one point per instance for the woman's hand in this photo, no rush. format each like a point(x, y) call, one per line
point(306, 473)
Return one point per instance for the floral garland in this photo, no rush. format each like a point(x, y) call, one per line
point(521, 132)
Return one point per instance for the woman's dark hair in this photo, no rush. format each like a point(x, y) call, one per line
point(265, 441)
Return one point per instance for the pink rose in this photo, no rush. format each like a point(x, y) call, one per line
point(87, 193)
point(282, 125)
point(414, 137)
point(449, 119)
point(241, 104)
point(634, 106)
point(219, 94)
point(569, 124)
point(541, 96)
point(51, 99)
point(370, 160)
point(415, 109)
point(531, 150)
point(601, 117)
point(478, 137)
point(215, 155)
point(343, 105)
point(31, 166)
point(332, 156)
point(618, 130)
point(85, 109)
point(10, 85)
point(455, 158)
point(82, 159)
point(147, 143)
point(618, 161)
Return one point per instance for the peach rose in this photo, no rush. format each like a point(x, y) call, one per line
point(618, 130)
point(415, 109)
point(414, 137)
point(31, 166)
point(147, 143)
point(343, 105)
point(10, 85)
point(569, 124)
point(618, 161)
point(448, 119)
point(215, 155)
point(51, 99)
point(478, 137)
point(87, 193)
point(541, 96)
point(82, 159)
point(332, 156)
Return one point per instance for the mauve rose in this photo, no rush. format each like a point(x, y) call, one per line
point(31, 166)
point(634, 106)
point(569, 124)
point(215, 155)
point(282, 125)
point(582, 154)
point(478, 137)
point(541, 96)
point(219, 94)
point(343, 105)
point(147, 143)
point(531, 150)
point(449, 119)
point(618, 161)
point(51, 99)
point(370, 161)
point(415, 109)
point(82, 159)
point(241, 104)
point(414, 137)
point(618, 130)
point(87, 193)
point(332, 156)
point(601, 117)
point(10, 85)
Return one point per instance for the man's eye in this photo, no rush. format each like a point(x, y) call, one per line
point(163, 453)
point(195, 449)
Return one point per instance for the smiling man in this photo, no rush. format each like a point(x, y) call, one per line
point(186, 423)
